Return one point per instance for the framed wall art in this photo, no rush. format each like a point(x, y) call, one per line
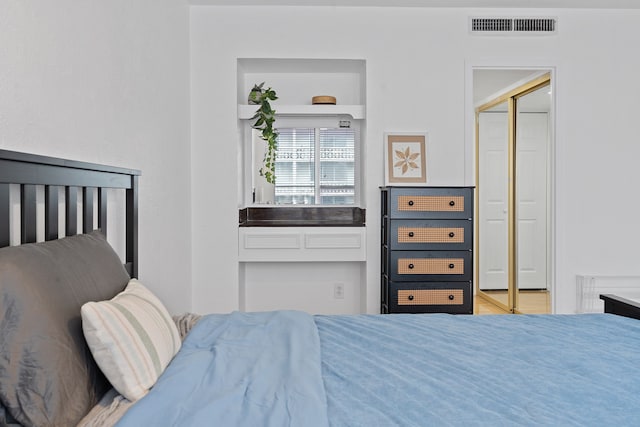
point(405, 158)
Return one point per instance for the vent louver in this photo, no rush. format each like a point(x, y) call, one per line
point(513, 25)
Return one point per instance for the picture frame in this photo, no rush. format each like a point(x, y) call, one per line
point(405, 158)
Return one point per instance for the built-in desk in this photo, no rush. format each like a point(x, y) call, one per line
point(302, 258)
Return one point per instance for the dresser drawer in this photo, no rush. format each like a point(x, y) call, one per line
point(418, 297)
point(431, 203)
point(430, 265)
point(431, 234)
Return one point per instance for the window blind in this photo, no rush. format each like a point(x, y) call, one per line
point(337, 166)
point(315, 166)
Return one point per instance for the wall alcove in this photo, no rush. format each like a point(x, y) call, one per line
point(309, 255)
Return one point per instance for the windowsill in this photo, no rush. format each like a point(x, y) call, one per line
point(302, 216)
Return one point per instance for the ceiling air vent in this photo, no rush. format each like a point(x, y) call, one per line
point(513, 26)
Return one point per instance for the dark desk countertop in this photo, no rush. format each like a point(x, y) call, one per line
point(301, 216)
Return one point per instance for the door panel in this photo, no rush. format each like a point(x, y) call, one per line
point(531, 177)
point(492, 216)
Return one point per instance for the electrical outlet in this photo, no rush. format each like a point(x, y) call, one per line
point(338, 290)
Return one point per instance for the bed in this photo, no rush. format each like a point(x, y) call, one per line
point(64, 360)
point(47, 374)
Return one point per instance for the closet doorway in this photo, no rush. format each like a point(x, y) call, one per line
point(513, 180)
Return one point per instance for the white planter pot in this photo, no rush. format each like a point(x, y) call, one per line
point(264, 193)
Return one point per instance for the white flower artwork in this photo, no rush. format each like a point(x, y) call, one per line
point(406, 158)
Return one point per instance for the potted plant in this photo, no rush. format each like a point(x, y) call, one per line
point(264, 118)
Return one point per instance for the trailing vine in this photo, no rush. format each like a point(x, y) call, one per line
point(264, 118)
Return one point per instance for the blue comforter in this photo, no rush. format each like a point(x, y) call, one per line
point(241, 369)
point(508, 370)
point(400, 370)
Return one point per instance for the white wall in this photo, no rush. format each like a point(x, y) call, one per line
point(418, 63)
point(277, 286)
point(108, 82)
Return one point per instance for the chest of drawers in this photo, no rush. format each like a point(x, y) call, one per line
point(427, 250)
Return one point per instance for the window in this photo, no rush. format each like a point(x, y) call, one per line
point(317, 162)
point(300, 179)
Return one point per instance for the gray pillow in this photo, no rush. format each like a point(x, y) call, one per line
point(47, 374)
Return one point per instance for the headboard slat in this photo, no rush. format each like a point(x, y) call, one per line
point(87, 209)
point(102, 210)
point(71, 211)
point(51, 212)
point(28, 219)
point(132, 225)
point(5, 223)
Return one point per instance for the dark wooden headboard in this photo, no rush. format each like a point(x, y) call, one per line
point(30, 171)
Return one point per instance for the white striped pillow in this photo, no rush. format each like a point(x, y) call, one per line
point(132, 338)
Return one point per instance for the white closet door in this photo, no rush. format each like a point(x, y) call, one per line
point(493, 254)
point(531, 176)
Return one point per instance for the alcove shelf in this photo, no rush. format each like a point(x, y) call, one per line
point(356, 112)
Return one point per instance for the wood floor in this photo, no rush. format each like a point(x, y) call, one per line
point(530, 302)
point(482, 306)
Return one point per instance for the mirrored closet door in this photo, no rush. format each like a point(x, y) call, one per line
point(513, 204)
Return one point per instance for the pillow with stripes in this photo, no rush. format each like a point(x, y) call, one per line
point(132, 338)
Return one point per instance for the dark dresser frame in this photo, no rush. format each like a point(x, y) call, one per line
point(427, 250)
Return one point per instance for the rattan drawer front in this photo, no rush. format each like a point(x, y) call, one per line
point(431, 266)
point(429, 202)
point(430, 235)
point(430, 297)
point(412, 203)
